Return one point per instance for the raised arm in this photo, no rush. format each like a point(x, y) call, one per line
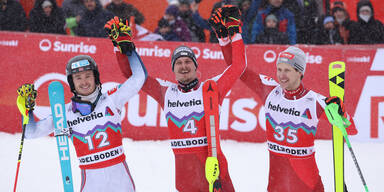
point(127, 54)
point(134, 83)
point(234, 53)
point(226, 24)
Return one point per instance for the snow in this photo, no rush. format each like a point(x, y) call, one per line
point(151, 165)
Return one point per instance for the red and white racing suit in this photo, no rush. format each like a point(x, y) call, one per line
point(184, 113)
point(97, 137)
point(291, 120)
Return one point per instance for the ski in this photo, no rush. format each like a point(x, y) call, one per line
point(61, 132)
point(336, 75)
point(211, 113)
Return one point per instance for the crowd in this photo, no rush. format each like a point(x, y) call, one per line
point(263, 21)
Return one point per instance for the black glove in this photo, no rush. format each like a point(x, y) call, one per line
point(339, 102)
point(216, 22)
point(120, 33)
point(231, 18)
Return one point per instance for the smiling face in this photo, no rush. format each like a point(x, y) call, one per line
point(185, 70)
point(84, 82)
point(289, 78)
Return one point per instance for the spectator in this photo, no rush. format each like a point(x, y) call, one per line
point(271, 34)
point(286, 21)
point(125, 10)
point(92, 22)
point(328, 33)
point(367, 30)
point(248, 10)
point(165, 30)
point(306, 14)
point(204, 23)
point(185, 12)
point(177, 24)
point(342, 20)
point(12, 16)
point(73, 11)
point(46, 17)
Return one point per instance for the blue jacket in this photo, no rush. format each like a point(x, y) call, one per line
point(286, 23)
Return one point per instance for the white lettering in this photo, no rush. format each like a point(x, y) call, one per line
point(224, 114)
point(11, 43)
point(239, 110)
point(74, 48)
point(153, 52)
point(134, 116)
point(209, 54)
point(59, 114)
point(313, 59)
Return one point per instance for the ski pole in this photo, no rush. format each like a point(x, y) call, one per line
point(19, 158)
point(342, 123)
point(25, 122)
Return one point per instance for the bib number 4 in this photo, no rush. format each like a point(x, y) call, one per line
point(190, 127)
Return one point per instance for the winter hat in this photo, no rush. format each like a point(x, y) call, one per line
point(172, 10)
point(271, 16)
point(46, 3)
point(183, 51)
point(163, 23)
point(328, 19)
point(366, 8)
point(293, 56)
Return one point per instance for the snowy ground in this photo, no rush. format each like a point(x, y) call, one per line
point(151, 165)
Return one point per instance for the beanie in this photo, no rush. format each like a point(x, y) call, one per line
point(183, 51)
point(172, 10)
point(46, 3)
point(271, 16)
point(293, 56)
point(328, 19)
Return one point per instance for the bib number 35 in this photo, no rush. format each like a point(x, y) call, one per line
point(280, 136)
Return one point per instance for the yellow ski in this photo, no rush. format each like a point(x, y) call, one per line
point(336, 76)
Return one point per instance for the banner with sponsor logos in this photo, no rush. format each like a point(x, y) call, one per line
point(41, 58)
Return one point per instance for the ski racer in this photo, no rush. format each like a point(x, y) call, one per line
point(183, 106)
point(292, 113)
point(95, 120)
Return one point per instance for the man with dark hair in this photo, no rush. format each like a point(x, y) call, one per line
point(183, 104)
point(97, 137)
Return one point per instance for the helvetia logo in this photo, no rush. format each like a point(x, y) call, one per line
point(288, 111)
point(178, 103)
point(109, 112)
point(46, 45)
point(82, 119)
point(307, 114)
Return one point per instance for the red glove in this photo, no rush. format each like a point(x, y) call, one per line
point(231, 21)
point(216, 22)
point(120, 33)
